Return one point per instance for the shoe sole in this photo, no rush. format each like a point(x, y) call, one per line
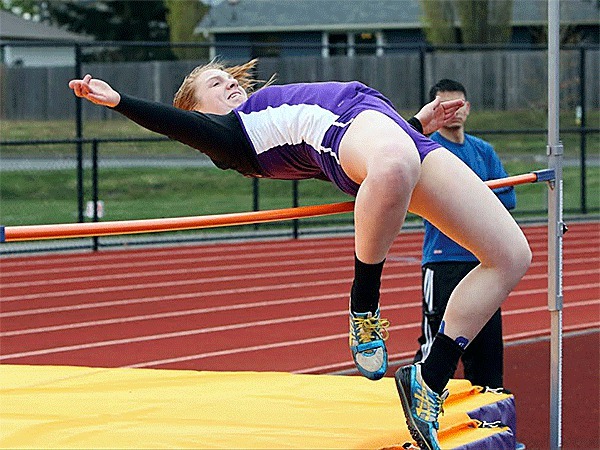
point(401, 376)
point(374, 376)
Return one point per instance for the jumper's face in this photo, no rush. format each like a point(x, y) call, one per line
point(463, 112)
point(217, 92)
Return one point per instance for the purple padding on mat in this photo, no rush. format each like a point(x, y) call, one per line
point(503, 410)
point(498, 441)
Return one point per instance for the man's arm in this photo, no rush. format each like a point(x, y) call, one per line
point(434, 115)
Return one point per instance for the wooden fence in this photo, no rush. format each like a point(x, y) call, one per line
point(495, 79)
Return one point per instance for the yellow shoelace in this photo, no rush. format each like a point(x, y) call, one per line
point(368, 327)
point(430, 407)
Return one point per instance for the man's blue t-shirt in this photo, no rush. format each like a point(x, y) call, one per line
point(483, 160)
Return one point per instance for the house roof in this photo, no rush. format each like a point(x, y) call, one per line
point(308, 15)
point(13, 27)
point(242, 16)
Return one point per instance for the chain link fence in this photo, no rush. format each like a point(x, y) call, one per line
point(63, 160)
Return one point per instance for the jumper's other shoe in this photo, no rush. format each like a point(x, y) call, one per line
point(368, 332)
point(421, 406)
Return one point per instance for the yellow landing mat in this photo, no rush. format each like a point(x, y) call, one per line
point(80, 407)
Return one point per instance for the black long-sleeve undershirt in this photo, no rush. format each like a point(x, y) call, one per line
point(416, 124)
point(220, 137)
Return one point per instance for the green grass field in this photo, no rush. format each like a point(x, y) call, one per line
point(41, 197)
point(50, 196)
point(513, 144)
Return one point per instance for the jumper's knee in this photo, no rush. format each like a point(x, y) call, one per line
point(517, 259)
point(523, 258)
point(395, 174)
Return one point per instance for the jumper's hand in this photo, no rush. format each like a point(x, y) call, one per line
point(96, 91)
point(434, 115)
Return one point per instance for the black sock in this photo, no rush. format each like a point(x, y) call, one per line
point(364, 296)
point(440, 364)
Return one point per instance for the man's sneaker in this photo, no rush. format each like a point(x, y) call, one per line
point(421, 406)
point(367, 335)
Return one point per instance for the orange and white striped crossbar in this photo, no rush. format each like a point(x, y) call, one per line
point(79, 230)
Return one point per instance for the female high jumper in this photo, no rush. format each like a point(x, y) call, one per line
point(351, 135)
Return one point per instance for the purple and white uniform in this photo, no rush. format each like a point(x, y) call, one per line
point(296, 129)
point(286, 132)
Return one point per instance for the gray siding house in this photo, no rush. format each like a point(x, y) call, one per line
point(262, 28)
point(14, 29)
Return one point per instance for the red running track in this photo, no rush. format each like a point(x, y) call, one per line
point(279, 305)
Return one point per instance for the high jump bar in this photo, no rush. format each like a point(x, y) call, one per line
point(110, 228)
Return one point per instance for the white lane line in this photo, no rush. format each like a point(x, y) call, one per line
point(199, 270)
point(407, 259)
point(173, 258)
point(234, 351)
point(174, 297)
point(196, 311)
point(299, 342)
point(196, 282)
point(512, 338)
point(177, 334)
point(244, 325)
point(200, 252)
point(168, 284)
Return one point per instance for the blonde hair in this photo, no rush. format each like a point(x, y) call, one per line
point(185, 98)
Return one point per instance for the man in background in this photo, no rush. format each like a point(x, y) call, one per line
point(445, 263)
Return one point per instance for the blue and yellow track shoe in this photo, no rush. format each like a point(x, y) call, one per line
point(368, 332)
point(421, 406)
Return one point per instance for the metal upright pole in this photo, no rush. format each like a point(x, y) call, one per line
point(79, 135)
point(556, 226)
point(582, 124)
